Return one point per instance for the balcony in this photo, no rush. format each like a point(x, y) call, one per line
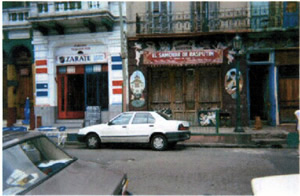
point(58, 18)
point(225, 20)
point(15, 17)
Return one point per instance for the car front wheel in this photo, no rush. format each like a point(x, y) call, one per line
point(159, 142)
point(93, 141)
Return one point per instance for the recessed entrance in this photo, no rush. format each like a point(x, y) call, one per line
point(71, 93)
point(180, 92)
point(259, 92)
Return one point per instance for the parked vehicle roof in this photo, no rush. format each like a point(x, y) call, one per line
point(13, 137)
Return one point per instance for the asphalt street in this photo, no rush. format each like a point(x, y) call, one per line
point(190, 170)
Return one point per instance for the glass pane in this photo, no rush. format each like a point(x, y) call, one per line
point(14, 17)
point(72, 5)
point(75, 94)
point(140, 119)
point(91, 89)
point(151, 119)
point(62, 91)
point(123, 119)
point(21, 16)
point(103, 91)
point(79, 5)
point(40, 8)
point(143, 118)
point(26, 164)
point(19, 173)
point(62, 70)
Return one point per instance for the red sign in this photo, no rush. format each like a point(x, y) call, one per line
point(179, 58)
point(41, 62)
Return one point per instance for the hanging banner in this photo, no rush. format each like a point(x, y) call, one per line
point(179, 58)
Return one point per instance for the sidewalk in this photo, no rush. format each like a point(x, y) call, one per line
point(226, 137)
point(267, 137)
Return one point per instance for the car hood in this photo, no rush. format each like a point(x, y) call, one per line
point(94, 126)
point(81, 178)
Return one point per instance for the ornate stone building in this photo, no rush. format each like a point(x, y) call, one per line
point(64, 56)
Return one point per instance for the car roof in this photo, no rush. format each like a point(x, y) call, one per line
point(140, 112)
point(14, 137)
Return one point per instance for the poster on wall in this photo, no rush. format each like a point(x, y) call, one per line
point(207, 118)
point(230, 82)
point(137, 86)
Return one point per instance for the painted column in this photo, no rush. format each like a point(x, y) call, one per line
point(11, 95)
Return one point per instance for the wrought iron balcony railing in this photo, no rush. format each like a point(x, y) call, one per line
point(242, 19)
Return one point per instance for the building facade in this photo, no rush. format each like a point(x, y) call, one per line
point(18, 57)
point(184, 51)
point(75, 58)
point(65, 56)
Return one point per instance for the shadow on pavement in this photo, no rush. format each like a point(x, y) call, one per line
point(178, 147)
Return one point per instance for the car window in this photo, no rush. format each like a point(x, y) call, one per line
point(165, 116)
point(123, 119)
point(26, 164)
point(143, 118)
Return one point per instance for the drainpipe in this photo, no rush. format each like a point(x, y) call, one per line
point(124, 67)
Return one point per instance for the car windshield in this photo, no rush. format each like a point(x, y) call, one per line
point(165, 116)
point(30, 162)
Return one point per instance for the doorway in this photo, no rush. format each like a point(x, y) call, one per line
point(259, 92)
point(288, 93)
point(180, 92)
point(70, 93)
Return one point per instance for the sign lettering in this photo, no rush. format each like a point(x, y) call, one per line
point(183, 57)
point(79, 59)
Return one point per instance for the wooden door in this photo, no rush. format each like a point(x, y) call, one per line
point(209, 88)
point(288, 99)
point(24, 90)
point(160, 90)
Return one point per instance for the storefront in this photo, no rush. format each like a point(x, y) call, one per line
point(77, 73)
point(82, 80)
point(181, 79)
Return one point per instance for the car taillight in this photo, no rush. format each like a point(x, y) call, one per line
point(182, 128)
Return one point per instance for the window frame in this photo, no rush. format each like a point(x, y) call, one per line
point(149, 116)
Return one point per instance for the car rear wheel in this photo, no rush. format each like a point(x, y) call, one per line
point(93, 141)
point(159, 142)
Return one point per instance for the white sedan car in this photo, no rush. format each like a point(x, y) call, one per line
point(137, 127)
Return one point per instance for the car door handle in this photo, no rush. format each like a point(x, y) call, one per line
point(124, 126)
point(151, 125)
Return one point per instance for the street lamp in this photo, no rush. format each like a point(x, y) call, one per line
point(237, 46)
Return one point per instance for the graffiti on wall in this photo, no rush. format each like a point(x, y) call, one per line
point(137, 86)
point(138, 52)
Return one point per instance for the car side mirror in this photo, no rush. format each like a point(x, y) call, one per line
point(109, 123)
